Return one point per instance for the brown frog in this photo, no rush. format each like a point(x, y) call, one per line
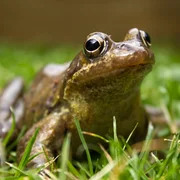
point(102, 81)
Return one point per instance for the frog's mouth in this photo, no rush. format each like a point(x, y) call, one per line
point(131, 72)
point(140, 60)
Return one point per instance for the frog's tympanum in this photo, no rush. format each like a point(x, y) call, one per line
point(102, 81)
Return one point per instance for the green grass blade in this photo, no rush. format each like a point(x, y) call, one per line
point(129, 137)
point(25, 157)
point(85, 146)
point(20, 171)
point(73, 170)
point(115, 129)
point(15, 142)
point(83, 169)
point(65, 156)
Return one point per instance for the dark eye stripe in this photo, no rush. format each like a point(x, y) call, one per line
point(145, 38)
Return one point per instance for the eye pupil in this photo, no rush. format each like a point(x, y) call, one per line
point(147, 38)
point(92, 44)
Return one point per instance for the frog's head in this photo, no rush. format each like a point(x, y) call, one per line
point(105, 66)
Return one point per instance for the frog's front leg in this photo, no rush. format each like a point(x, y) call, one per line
point(49, 139)
point(11, 96)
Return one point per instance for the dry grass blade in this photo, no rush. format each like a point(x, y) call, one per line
point(107, 155)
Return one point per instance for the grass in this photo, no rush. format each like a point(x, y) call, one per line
point(161, 88)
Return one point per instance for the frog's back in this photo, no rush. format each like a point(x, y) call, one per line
point(44, 93)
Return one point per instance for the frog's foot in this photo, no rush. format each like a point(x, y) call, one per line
point(50, 138)
point(161, 118)
point(156, 115)
point(11, 97)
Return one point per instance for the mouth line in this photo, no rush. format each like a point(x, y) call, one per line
point(124, 68)
point(141, 67)
point(137, 64)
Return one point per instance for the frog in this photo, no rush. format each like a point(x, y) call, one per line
point(103, 81)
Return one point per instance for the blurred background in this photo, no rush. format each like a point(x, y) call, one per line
point(58, 21)
point(36, 32)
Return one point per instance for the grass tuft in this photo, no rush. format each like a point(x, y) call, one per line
point(161, 88)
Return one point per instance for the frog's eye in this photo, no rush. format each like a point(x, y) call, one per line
point(145, 38)
point(94, 46)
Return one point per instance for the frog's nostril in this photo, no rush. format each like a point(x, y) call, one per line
point(120, 45)
point(126, 47)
